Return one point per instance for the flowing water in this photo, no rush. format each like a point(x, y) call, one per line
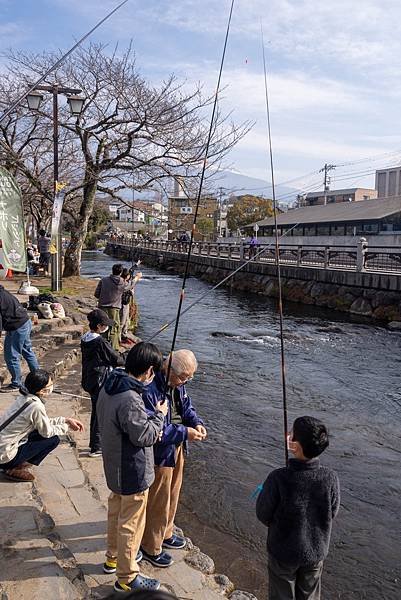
point(344, 371)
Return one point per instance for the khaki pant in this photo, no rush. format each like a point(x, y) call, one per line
point(162, 504)
point(125, 524)
point(113, 333)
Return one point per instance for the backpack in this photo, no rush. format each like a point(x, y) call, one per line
point(126, 297)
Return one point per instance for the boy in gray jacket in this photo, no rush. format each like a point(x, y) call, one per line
point(128, 434)
point(298, 504)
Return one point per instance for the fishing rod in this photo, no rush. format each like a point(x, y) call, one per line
point(59, 62)
point(277, 243)
point(72, 395)
point(220, 283)
point(198, 198)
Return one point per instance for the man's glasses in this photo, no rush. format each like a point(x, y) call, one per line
point(182, 379)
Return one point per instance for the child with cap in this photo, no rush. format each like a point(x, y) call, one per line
point(298, 504)
point(98, 359)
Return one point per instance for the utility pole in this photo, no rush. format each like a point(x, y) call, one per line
point(133, 205)
point(326, 180)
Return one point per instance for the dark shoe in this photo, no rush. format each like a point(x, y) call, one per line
point(139, 583)
point(19, 474)
point(175, 542)
point(110, 566)
point(162, 560)
point(9, 388)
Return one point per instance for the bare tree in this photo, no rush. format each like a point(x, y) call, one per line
point(128, 129)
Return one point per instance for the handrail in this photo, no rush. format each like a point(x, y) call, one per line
point(377, 259)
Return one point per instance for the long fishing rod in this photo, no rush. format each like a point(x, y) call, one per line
point(209, 137)
point(278, 267)
point(59, 62)
point(220, 283)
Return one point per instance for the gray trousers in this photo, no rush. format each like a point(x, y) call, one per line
point(294, 583)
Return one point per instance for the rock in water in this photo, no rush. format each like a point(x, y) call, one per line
point(394, 325)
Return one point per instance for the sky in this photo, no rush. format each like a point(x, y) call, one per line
point(333, 71)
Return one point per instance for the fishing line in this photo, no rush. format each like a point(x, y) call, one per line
point(278, 267)
point(220, 283)
point(209, 137)
point(59, 62)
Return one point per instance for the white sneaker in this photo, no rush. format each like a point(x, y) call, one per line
point(95, 454)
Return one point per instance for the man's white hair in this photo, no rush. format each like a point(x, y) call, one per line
point(184, 361)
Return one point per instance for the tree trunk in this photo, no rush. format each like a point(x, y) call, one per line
point(72, 259)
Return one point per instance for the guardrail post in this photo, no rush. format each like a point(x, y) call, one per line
point(299, 256)
point(361, 251)
point(241, 250)
point(326, 257)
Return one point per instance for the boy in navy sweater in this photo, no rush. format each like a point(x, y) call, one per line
point(298, 504)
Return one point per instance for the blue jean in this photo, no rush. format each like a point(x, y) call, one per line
point(16, 344)
point(35, 449)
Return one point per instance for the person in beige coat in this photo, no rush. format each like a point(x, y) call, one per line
point(27, 434)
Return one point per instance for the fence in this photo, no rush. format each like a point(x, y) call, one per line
point(378, 259)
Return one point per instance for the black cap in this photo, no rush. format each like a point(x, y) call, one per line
point(99, 317)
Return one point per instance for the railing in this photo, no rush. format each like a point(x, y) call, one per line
point(383, 259)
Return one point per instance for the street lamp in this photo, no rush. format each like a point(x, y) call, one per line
point(76, 104)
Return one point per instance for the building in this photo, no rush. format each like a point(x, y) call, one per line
point(140, 215)
point(388, 182)
point(372, 217)
point(181, 211)
point(335, 196)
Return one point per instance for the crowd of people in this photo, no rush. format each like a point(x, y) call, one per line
point(142, 422)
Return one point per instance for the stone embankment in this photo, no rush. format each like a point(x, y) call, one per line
point(52, 538)
point(373, 295)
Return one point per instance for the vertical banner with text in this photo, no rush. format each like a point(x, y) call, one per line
point(56, 217)
point(12, 234)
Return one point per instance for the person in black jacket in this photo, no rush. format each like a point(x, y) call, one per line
point(98, 359)
point(16, 323)
point(298, 504)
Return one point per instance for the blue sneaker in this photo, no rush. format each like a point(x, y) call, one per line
point(162, 560)
point(139, 583)
point(175, 542)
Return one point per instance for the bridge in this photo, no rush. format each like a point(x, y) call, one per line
point(373, 259)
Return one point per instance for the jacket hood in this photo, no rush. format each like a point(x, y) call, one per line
point(119, 381)
point(116, 279)
point(89, 336)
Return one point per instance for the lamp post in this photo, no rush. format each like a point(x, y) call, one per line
point(76, 104)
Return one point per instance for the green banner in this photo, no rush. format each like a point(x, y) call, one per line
point(12, 234)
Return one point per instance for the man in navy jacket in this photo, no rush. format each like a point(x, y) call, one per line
point(181, 425)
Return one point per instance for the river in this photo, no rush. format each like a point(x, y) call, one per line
point(344, 371)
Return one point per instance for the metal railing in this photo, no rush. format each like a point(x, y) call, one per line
point(378, 259)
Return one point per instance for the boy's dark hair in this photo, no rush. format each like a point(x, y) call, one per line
point(143, 356)
point(36, 381)
point(42, 232)
point(117, 269)
point(311, 434)
point(125, 273)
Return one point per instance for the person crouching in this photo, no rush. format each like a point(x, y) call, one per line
point(27, 434)
point(128, 434)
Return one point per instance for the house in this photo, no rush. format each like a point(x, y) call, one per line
point(388, 182)
point(371, 217)
point(335, 196)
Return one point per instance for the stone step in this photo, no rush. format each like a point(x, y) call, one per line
point(55, 347)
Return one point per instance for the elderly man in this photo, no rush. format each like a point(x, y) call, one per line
point(181, 424)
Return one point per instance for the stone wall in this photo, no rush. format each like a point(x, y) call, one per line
point(373, 295)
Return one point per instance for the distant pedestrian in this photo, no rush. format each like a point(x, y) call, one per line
point(128, 434)
point(15, 321)
point(298, 504)
point(127, 300)
point(98, 360)
point(44, 250)
point(109, 293)
point(181, 425)
point(27, 434)
point(253, 246)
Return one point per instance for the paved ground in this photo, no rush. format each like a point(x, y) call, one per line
point(52, 538)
